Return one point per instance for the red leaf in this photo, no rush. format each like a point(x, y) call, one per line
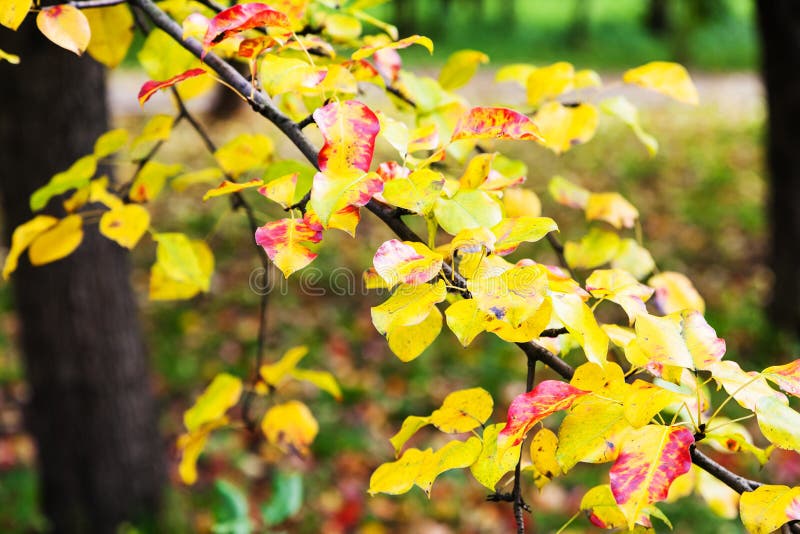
point(240, 18)
point(529, 408)
point(349, 129)
point(496, 123)
point(149, 88)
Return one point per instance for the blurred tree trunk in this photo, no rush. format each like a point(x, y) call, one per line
point(657, 17)
point(779, 23)
point(405, 17)
point(578, 31)
point(92, 410)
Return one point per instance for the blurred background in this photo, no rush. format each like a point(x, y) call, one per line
point(703, 200)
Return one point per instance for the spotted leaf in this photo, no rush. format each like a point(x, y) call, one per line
point(495, 123)
point(406, 262)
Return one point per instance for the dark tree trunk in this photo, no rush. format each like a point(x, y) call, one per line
point(92, 411)
point(657, 17)
point(779, 22)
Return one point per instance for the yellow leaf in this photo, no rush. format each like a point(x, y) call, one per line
point(290, 426)
point(489, 468)
point(611, 208)
point(244, 153)
point(13, 12)
point(281, 190)
point(191, 445)
point(543, 453)
point(632, 257)
point(521, 202)
point(568, 194)
point(516, 72)
point(747, 389)
point(528, 330)
point(58, 241)
point(548, 82)
point(779, 423)
point(23, 235)
point(465, 320)
point(66, 26)
point(621, 288)
point(596, 248)
point(182, 269)
point(322, 379)
point(113, 140)
point(223, 393)
point(408, 305)
point(467, 209)
point(511, 233)
point(602, 508)
point(151, 179)
point(416, 192)
point(77, 176)
point(582, 325)
point(645, 400)
point(591, 432)
point(454, 455)
point(125, 224)
point(112, 33)
point(721, 499)
point(399, 476)
point(228, 188)
point(660, 340)
point(768, 508)
point(463, 411)
point(586, 78)
point(5, 56)
point(158, 128)
point(675, 292)
point(274, 373)
point(342, 28)
point(366, 51)
point(665, 77)
point(460, 67)
point(410, 426)
point(563, 127)
point(409, 341)
point(512, 296)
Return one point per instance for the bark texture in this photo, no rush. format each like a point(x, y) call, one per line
point(92, 410)
point(779, 24)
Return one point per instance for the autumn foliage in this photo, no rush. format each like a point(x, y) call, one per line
point(638, 398)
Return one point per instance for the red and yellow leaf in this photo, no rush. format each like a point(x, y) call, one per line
point(125, 224)
point(333, 191)
point(527, 409)
point(651, 458)
point(366, 51)
point(66, 26)
point(349, 129)
point(495, 123)
point(150, 88)
point(13, 12)
point(406, 262)
point(786, 377)
point(284, 242)
point(242, 17)
point(228, 188)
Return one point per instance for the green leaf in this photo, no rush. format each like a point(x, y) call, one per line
point(287, 498)
point(467, 209)
point(77, 176)
point(230, 510)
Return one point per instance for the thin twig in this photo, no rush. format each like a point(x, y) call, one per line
point(87, 4)
point(520, 507)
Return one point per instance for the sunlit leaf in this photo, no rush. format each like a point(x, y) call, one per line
point(57, 242)
point(513, 295)
point(280, 75)
point(568, 194)
point(768, 507)
point(620, 287)
point(349, 129)
point(596, 248)
point(110, 142)
point(208, 176)
point(242, 17)
point(511, 233)
point(286, 243)
point(23, 235)
point(466, 320)
point(191, 445)
point(543, 453)
point(650, 459)
point(463, 410)
point(675, 292)
point(645, 400)
point(493, 463)
point(408, 305)
point(151, 179)
point(592, 432)
point(621, 108)
point(602, 509)
point(66, 26)
point(495, 123)
point(460, 67)
point(521, 202)
point(368, 50)
point(665, 77)
point(125, 224)
point(228, 188)
point(582, 325)
point(342, 28)
point(13, 12)
point(77, 176)
point(548, 82)
point(222, 394)
point(244, 153)
point(168, 282)
point(335, 190)
point(162, 58)
point(275, 374)
point(406, 262)
point(151, 87)
point(747, 389)
point(721, 499)
point(516, 72)
point(398, 477)
point(586, 78)
point(179, 259)
point(467, 209)
point(786, 377)
point(564, 127)
point(112, 33)
point(634, 258)
point(5, 56)
point(778, 422)
point(454, 455)
point(290, 426)
point(611, 208)
point(158, 128)
point(416, 192)
point(410, 426)
point(409, 341)
point(527, 409)
point(322, 379)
